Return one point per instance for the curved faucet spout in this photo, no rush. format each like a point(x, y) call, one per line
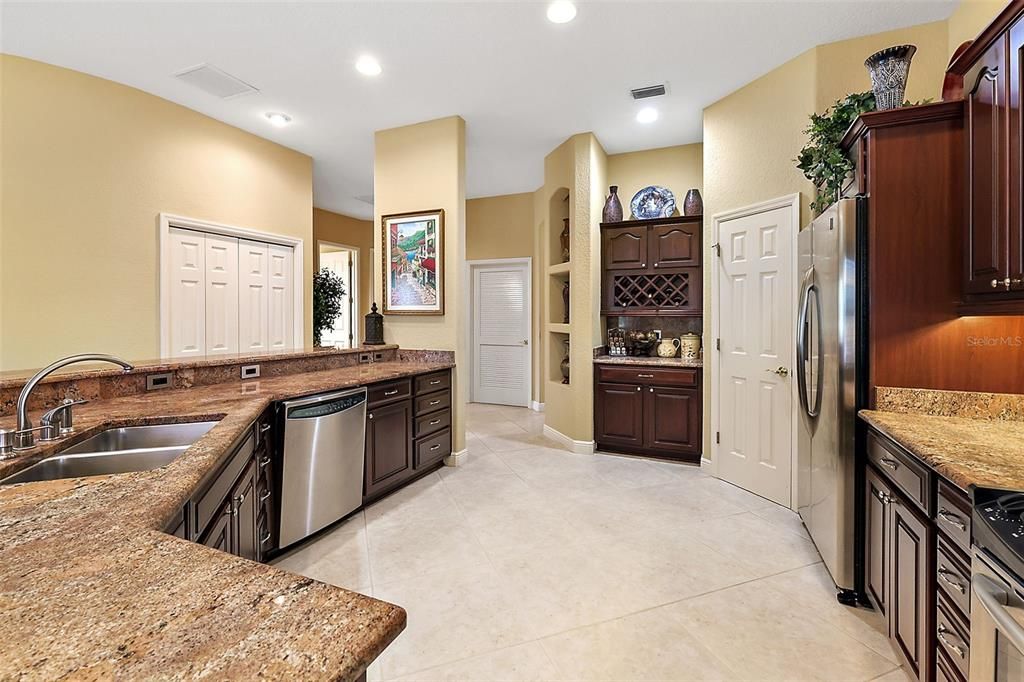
point(24, 437)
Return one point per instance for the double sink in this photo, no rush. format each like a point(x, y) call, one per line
point(116, 451)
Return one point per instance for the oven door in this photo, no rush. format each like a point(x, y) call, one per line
point(997, 623)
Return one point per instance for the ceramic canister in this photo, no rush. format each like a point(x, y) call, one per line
point(690, 345)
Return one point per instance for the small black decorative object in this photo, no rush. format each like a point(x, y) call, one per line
point(693, 204)
point(374, 328)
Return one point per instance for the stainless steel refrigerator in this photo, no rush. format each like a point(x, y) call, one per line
point(830, 312)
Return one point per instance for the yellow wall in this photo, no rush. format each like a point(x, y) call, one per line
point(678, 168)
point(499, 227)
point(342, 229)
point(87, 166)
point(968, 20)
point(418, 168)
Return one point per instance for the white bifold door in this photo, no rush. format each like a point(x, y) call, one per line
point(501, 334)
point(755, 311)
point(228, 295)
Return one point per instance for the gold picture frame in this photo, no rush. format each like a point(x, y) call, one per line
point(412, 262)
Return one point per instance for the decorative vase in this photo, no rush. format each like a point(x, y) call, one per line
point(565, 301)
point(692, 203)
point(612, 207)
point(889, 69)
point(564, 365)
point(564, 237)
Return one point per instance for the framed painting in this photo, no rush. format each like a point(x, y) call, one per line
point(413, 255)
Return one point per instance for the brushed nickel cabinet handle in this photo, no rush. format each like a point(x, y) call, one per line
point(951, 518)
point(941, 634)
point(891, 463)
point(264, 461)
point(265, 539)
point(264, 428)
point(435, 382)
point(394, 392)
point(370, 416)
point(435, 422)
point(644, 376)
point(436, 447)
point(265, 496)
point(882, 497)
point(955, 584)
point(435, 402)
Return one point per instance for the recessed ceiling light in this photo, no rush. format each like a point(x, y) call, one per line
point(647, 115)
point(278, 119)
point(561, 12)
point(368, 66)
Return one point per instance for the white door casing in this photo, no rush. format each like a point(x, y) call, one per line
point(221, 294)
point(253, 297)
point(754, 301)
point(501, 332)
point(187, 311)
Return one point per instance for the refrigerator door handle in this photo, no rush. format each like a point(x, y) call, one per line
point(820, 379)
point(801, 340)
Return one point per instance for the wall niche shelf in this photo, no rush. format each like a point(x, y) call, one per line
point(560, 268)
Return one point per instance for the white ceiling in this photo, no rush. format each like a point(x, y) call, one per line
point(521, 83)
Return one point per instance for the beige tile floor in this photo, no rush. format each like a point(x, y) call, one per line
point(529, 562)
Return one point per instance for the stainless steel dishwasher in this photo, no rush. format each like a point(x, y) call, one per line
point(322, 470)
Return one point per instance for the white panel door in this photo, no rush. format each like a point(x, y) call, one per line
point(282, 297)
point(755, 281)
point(253, 296)
point(221, 294)
point(501, 334)
point(187, 301)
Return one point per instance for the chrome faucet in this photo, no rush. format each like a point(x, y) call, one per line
point(55, 422)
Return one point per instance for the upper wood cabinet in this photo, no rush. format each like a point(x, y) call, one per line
point(652, 267)
point(993, 281)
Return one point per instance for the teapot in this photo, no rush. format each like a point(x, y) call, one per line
point(668, 348)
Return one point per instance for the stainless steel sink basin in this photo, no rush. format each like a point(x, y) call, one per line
point(116, 451)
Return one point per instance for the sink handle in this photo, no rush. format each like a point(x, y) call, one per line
point(60, 419)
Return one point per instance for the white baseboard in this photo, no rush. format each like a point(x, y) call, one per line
point(536, 406)
point(455, 459)
point(580, 447)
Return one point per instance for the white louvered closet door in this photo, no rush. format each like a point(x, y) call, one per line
point(187, 309)
point(253, 296)
point(501, 333)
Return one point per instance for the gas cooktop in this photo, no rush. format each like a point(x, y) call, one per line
point(999, 526)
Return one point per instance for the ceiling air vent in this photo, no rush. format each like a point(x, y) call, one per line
point(213, 81)
point(365, 198)
point(649, 91)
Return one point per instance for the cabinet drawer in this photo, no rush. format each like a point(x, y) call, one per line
point(953, 516)
point(432, 449)
point(909, 476)
point(953, 576)
point(378, 394)
point(433, 382)
point(208, 504)
point(945, 670)
point(647, 376)
point(432, 402)
point(951, 636)
point(431, 423)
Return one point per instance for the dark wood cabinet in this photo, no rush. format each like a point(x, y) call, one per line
point(243, 497)
point(640, 410)
point(993, 281)
point(218, 535)
point(917, 570)
point(619, 410)
point(652, 267)
point(909, 595)
point(388, 446)
point(674, 246)
point(624, 248)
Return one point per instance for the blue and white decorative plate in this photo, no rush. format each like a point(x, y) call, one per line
point(652, 202)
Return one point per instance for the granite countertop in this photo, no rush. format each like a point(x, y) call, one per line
point(966, 451)
point(648, 362)
point(91, 587)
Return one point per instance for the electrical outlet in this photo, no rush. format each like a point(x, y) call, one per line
point(162, 380)
point(365, 357)
point(250, 371)
point(657, 333)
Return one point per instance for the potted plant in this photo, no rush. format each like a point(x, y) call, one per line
point(822, 159)
point(328, 290)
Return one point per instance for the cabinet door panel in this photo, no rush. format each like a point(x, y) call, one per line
point(388, 446)
point(281, 297)
point(625, 248)
point(674, 246)
point(988, 249)
point(221, 294)
point(876, 551)
point(620, 414)
point(911, 550)
point(1016, 151)
point(253, 296)
point(186, 317)
point(219, 534)
point(672, 419)
point(243, 497)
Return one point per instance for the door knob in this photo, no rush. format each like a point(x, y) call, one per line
point(781, 371)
